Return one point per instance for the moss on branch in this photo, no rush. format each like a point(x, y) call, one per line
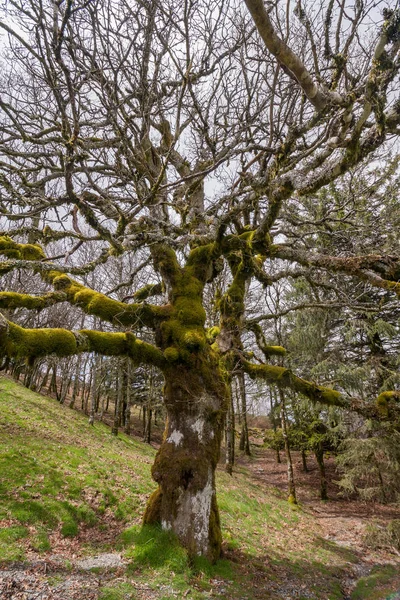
point(285, 378)
point(16, 341)
point(16, 300)
point(91, 302)
point(107, 309)
point(18, 251)
point(147, 291)
point(385, 407)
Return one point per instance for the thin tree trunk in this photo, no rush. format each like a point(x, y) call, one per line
point(290, 475)
point(45, 379)
point(147, 433)
point(28, 376)
point(144, 416)
point(75, 389)
point(273, 421)
point(244, 444)
point(319, 455)
point(118, 400)
point(86, 396)
point(127, 428)
point(230, 437)
point(94, 390)
point(304, 461)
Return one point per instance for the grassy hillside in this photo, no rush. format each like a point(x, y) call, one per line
point(69, 490)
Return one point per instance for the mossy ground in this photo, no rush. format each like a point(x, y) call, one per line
point(70, 489)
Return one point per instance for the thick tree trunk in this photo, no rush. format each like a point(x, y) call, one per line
point(185, 501)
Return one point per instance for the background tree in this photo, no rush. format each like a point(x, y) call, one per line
point(187, 134)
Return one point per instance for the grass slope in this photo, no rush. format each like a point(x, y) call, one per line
point(69, 489)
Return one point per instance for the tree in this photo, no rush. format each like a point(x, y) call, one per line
point(187, 132)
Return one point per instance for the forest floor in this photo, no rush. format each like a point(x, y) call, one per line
point(72, 496)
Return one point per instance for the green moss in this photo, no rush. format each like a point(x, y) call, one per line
point(200, 260)
point(15, 300)
point(385, 397)
point(110, 344)
point(104, 307)
point(153, 508)
point(171, 354)
point(142, 352)
point(284, 377)
point(12, 249)
point(39, 342)
point(212, 333)
point(194, 340)
point(274, 350)
point(152, 289)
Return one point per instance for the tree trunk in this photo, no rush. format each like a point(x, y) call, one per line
point(273, 398)
point(45, 379)
point(230, 438)
point(244, 444)
point(127, 428)
point(75, 389)
point(93, 394)
point(304, 461)
point(147, 430)
point(184, 468)
point(319, 455)
point(117, 405)
point(290, 476)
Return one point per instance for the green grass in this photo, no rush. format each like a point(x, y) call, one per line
point(60, 476)
point(380, 584)
point(59, 473)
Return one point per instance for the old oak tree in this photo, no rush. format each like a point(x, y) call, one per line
point(186, 131)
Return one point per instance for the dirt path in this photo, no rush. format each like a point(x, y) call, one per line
point(340, 521)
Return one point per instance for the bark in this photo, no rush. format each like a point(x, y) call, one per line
point(274, 427)
point(144, 412)
point(304, 461)
point(85, 397)
point(244, 444)
point(319, 455)
point(147, 429)
point(290, 474)
point(230, 438)
point(45, 379)
point(75, 389)
point(94, 390)
point(127, 427)
point(185, 501)
point(118, 401)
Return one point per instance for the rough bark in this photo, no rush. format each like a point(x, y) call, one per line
point(185, 501)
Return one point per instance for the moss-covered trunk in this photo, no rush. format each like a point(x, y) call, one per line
point(185, 501)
